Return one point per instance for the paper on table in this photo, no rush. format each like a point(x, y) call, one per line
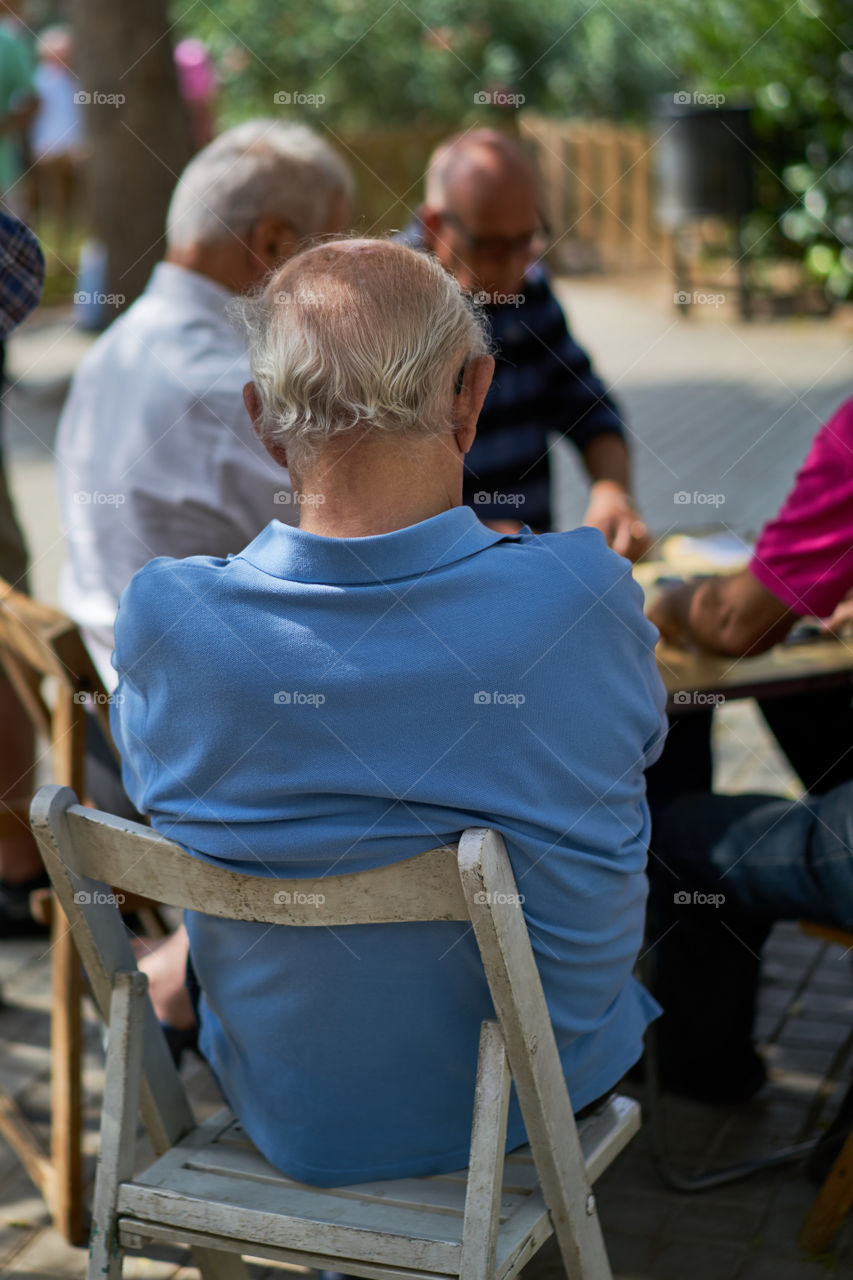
point(713, 551)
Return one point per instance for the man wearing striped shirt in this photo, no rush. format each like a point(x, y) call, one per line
point(481, 218)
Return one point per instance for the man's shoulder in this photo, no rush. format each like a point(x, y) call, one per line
point(578, 561)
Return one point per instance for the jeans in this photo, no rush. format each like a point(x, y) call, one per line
point(723, 870)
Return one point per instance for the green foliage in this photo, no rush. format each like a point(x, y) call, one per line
point(377, 64)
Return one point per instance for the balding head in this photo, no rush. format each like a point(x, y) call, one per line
point(481, 212)
point(480, 158)
point(356, 337)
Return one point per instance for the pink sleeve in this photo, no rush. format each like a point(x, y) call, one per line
point(804, 555)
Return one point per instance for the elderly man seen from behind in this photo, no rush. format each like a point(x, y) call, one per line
point(357, 690)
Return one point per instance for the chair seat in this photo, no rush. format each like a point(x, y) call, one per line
point(215, 1182)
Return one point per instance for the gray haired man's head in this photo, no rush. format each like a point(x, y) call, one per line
point(255, 170)
point(353, 338)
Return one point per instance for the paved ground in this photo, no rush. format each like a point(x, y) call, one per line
point(715, 407)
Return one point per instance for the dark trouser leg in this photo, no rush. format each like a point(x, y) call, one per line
point(685, 764)
point(815, 731)
point(770, 860)
point(703, 955)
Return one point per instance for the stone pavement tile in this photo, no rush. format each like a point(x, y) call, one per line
point(706, 1217)
point(823, 1032)
point(48, 1257)
point(696, 1260)
point(785, 1217)
point(635, 1210)
point(784, 1267)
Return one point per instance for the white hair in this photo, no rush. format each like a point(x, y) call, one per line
point(255, 169)
point(357, 335)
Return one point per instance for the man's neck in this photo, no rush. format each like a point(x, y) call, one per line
point(375, 488)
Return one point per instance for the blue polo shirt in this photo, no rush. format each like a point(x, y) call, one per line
point(322, 705)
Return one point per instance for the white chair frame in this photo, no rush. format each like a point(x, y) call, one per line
point(210, 1188)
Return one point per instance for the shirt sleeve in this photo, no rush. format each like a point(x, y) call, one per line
point(589, 410)
point(804, 556)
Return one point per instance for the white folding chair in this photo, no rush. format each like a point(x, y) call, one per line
point(210, 1188)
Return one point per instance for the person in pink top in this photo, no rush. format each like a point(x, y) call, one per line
point(802, 565)
point(724, 869)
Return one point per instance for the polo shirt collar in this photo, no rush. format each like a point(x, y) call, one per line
point(292, 554)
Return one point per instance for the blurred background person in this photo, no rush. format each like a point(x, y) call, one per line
point(482, 218)
point(56, 141)
point(18, 102)
point(21, 871)
point(198, 84)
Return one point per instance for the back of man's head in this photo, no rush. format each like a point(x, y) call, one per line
point(254, 170)
point(484, 158)
point(357, 335)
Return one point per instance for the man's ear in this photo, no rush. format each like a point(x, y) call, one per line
point(252, 401)
point(270, 242)
point(430, 220)
point(475, 384)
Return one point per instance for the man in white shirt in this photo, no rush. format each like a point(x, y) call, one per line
point(156, 454)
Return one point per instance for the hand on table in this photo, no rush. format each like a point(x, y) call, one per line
point(670, 611)
point(612, 511)
point(841, 622)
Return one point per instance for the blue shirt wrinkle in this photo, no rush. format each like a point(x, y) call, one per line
point(319, 705)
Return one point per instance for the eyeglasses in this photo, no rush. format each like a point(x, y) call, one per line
point(498, 246)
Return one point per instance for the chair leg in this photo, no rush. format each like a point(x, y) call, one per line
point(485, 1167)
point(832, 1204)
point(66, 1047)
point(214, 1264)
point(119, 1119)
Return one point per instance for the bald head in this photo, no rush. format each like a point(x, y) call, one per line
point(481, 211)
point(481, 158)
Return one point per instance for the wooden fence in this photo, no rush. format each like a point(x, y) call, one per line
point(596, 178)
point(598, 193)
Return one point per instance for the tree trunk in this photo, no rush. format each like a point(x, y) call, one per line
point(138, 133)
